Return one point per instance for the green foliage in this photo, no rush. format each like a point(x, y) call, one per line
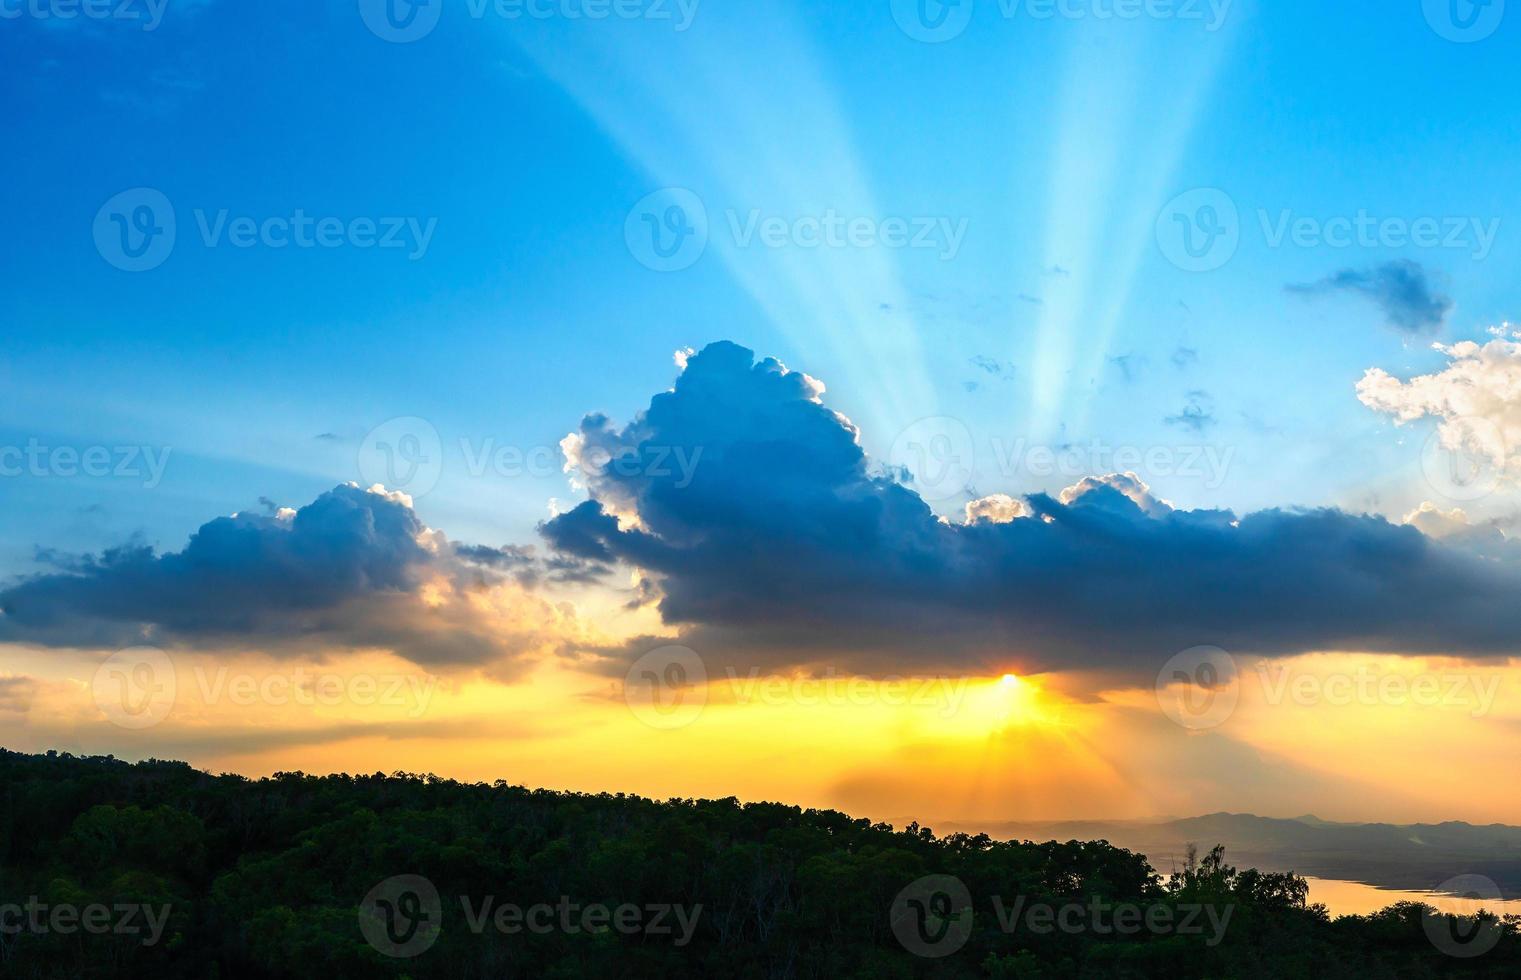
point(265, 879)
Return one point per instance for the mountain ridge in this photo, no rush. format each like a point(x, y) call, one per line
point(1418, 856)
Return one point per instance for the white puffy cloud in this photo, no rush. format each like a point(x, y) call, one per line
point(1434, 522)
point(1476, 398)
point(1128, 484)
point(999, 508)
point(1454, 527)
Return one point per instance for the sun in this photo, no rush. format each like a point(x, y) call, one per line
point(996, 703)
point(1019, 700)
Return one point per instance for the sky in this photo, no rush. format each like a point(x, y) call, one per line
point(996, 409)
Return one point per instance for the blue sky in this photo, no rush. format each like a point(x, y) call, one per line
point(1122, 338)
point(1031, 158)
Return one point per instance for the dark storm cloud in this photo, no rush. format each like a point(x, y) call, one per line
point(346, 570)
point(776, 544)
point(785, 548)
point(1402, 290)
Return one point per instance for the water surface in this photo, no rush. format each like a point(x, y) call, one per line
point(1356, 898)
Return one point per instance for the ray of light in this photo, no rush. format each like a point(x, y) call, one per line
point(781, 147)
point(1083, 164)
point(1143, 91)
point(1174, 125)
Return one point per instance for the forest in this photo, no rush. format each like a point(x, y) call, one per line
point(155, 869)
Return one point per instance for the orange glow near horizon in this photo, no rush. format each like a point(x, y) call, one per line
point(973, 750)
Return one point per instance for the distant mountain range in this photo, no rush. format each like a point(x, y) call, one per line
point(1411, 856)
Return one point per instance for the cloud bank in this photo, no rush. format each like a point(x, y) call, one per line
point(354, 569)
point(787, 548)
point(764, 537)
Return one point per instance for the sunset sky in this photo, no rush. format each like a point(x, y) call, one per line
point(991, 417)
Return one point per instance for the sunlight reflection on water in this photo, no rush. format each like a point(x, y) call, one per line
point(1356, 898)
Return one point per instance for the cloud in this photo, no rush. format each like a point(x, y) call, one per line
point(1454, 527)
point(16, 694)
point(1127, 485)
point(1476, 398)
point(993, 368)
point(763, 535)
point(999, 508)
point(1130, 365)
point(1197, 414)
point(204, 742)
point(1401, 289)
point(354, 569)
point(787, 547)
point(996, 368)
point(523, 563)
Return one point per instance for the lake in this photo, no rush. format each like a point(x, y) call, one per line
point(1356, 898)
